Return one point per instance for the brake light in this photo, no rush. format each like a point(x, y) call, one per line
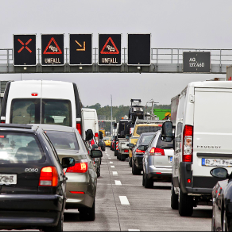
point(2, 121)
point(78, 126)
point(139, 151)
point(126, 150)
point(48, 176)
point(78, 167)
point(156, 151)
point(34, 94)
point(189, 181)
point(96, 135)
point(77, 192)
point(187, 150)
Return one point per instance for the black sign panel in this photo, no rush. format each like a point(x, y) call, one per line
point(139, 49)
point(80, 48)
point(24, 49)
point(196, 61)
point(52, 49)
point(109, 49)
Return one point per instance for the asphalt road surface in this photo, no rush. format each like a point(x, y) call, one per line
point(123, 204)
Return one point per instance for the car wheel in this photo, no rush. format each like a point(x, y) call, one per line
point(143, 181)
point(148, 183)
point(115, 153)
point(58, 227)
point(135, 170)
point(88, 214)
point(98, 172)
point(213, 221)
point(130, 161)
point(174, 198)
point(123, 157)
point(185, 204)
point(103, 148)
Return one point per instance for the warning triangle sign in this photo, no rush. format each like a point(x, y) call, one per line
point(52, 48)
point(109, 47)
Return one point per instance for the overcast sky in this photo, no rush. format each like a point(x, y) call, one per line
point(172, 24)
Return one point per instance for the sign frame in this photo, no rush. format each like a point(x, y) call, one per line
point(120, 51)
point(195, 54)
point(19, 65)
point(91, 34)
point(128, 49)
point(53, 65)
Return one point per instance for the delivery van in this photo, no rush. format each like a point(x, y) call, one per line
point(203, 136)
point(42, 102)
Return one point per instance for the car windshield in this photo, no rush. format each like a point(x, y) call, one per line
point(63, 140)
point(143, 129)
point(107, 138)
point(54, 111)
point(19, 148)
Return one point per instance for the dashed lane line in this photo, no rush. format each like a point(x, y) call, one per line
point(112, 166)
point(115, 173)
point(117, 182)
point(124, 200)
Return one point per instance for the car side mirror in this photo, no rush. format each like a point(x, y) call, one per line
point(167, 130)
point(100, 135)
point(96, 154)
point(219, 173)
point(68, 162)
point(88, 134)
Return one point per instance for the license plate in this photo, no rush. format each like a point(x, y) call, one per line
point(8, 179)
point(217, 162)
point(170, 159)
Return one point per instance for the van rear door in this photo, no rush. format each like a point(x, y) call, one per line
point(212, 129)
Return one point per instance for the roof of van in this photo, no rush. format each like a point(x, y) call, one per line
point(217, 84)
point(43, 81)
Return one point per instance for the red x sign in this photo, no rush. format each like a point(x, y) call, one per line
point(24, 45)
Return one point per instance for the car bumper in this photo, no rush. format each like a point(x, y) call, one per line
point(160, 173)
point(30, 211)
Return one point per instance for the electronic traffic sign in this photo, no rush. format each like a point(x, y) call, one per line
point(24, 50)
point(52, 49)
point(80, 49)
point(109, 49)
point(139, 49)
point(196, 62)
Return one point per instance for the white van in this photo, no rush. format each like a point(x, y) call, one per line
point(42, 102)
point(90, 121)
point(203, 136)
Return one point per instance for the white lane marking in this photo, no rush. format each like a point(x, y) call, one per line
point(112, 166)
point(118, 182)
point(133, 230)
point(109, 158)
point(115, 173)
point(124, 200)
point(111, 162)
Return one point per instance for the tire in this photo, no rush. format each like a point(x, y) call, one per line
point(174, 198)
point(143, 181)
point(148, 183)
point(185, 204)
point(103, 148)
point(123, 157)
point(98, 172)
point(130, 161)
point(135, 170)
point(58, 227)
point(88, 214)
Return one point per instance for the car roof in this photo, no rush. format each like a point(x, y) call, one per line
point(56, 127)
point(18, 127)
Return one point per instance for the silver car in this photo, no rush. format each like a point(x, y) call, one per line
point(81, 178)
point(157, 161)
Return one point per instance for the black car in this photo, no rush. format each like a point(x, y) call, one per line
point(222, 200)
point(32, 181)
point(139, 150)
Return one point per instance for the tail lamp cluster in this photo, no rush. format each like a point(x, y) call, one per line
point(187, 150)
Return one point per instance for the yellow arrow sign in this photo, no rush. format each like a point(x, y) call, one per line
point(80, 49)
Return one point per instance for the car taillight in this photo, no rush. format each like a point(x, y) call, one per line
point(2, 121)
point(139, 151)
point(48, 176)
point(96, 135)
point(78, 167)
point(126, 150)
point(156, 151)
point(187, 151)
point(78, 126)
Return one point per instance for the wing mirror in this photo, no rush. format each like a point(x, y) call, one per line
point(166, 132)
point(68, 162)
point(88, 134)
point(219, 173)
point(96, 154)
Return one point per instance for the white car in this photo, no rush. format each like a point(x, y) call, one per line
point(157, 161)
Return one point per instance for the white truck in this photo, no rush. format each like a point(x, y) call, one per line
point(202, 142)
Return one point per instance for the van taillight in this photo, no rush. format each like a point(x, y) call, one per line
point(78, 126)
point(156, 151)
point(187, 149)
point(2, 121)
point(96, 135)
point(34, 94)
point(48, 177)
point(78, 167)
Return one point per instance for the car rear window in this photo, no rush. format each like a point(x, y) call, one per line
point(164, 145)
point(145, 140)
point(54, 111)
point(63, 140)
point(144, 129)
point(20, 148)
